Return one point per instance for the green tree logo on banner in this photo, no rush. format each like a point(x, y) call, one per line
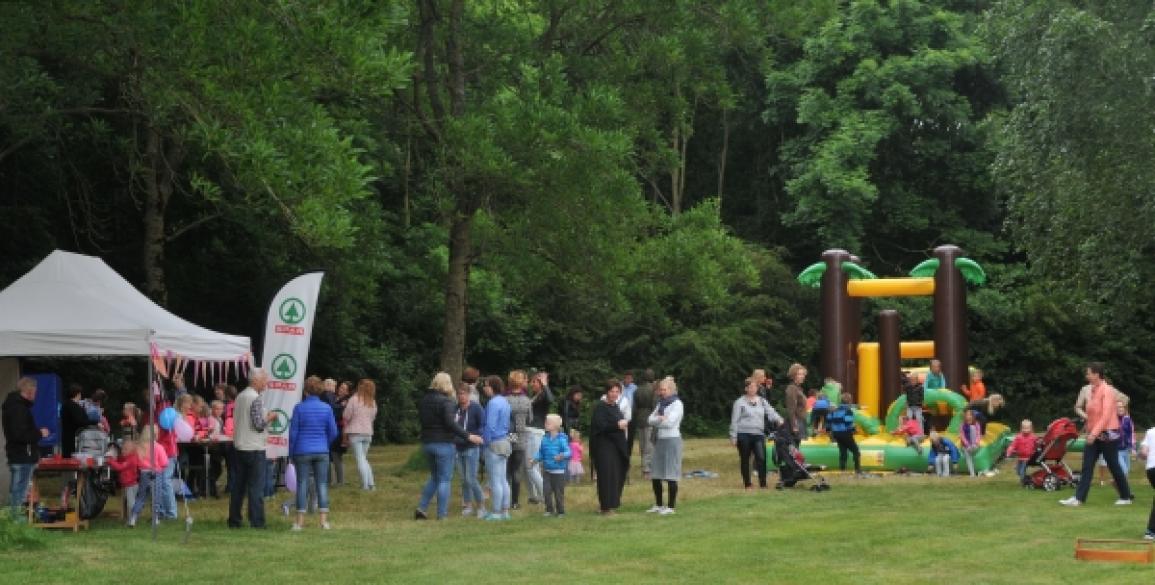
point(284, 367)
point(280, 424)
point(292, 311)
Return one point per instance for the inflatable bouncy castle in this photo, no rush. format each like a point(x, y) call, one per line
point(871, 371)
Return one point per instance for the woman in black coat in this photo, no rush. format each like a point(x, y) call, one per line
point(608, 448)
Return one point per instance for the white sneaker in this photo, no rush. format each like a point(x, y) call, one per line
point(666, 512)
point(296, 528)
point(1071, 501)
point(655, 509)
point(467, 511)
point(481, 513)
point(1122, 502)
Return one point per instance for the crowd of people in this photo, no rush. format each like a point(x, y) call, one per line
point(518, 433)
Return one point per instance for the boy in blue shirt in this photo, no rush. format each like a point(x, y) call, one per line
point(554, 456)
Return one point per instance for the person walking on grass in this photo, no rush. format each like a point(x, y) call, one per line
point(554, 454)
point(667, 464)
point(436, 412)
point(360, 411)
point(311, 430)
point(748, 431)
point(1102, 439)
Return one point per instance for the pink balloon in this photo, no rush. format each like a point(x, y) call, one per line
point(184, 432)
point(291, 478)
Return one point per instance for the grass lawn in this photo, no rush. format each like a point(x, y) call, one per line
point(891, 530)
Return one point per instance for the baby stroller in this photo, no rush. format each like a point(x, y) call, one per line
point(791, 464)
point(1051, 448)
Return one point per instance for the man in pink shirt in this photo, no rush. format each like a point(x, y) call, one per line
point(1102, 439)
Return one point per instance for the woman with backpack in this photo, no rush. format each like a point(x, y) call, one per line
point(748, 429)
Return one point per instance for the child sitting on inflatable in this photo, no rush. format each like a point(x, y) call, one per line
point(1023, 447)
point(912, 430)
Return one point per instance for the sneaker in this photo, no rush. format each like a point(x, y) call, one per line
point(666, 512)
point(1071, 501)
point(326, 526)
point(561, 515)
point(1123, 502)
point(481, 513)
point(1149, 536)
point(495, 517)
point(295, 528)
point(655, 509)
point(419, 514)
point(515, 506)
point(467, 511)
point(548, 514)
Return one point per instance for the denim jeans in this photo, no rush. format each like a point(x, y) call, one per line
point(1110, 452)
point(250, 483)
point(533, 472)
point(440, 457)
point(144, 491)
point(467, 460)
point(313, 467)
point(18, 491)
point(499, 492)
point(167, 493)
point(360, 446)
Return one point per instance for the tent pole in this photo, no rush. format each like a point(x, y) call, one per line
point(154, 417)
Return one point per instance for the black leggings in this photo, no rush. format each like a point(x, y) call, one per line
point(846, 443)
point(673, 489)
point(751, 444)
point(513, 467)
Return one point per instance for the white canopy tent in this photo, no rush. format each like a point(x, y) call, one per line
point(75, 305)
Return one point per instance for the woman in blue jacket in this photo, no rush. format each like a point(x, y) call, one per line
point(311, 431)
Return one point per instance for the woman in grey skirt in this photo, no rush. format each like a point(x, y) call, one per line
point(667, 462)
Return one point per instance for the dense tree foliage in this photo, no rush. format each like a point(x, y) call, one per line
point(595, 185)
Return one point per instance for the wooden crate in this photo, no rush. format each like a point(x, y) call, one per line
point(1116, 551)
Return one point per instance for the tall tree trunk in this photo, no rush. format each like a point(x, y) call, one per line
point(159, 181)
point(722, 155)
point(461, 226)
point(456, 293)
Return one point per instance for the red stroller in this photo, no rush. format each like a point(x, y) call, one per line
point(1053, 473)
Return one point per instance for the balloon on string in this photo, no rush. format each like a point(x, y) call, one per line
point(182, 430)
point(291, 478)
point(167, 417)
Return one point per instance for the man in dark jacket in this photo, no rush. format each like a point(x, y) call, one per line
point(22, 438)
point(73, 417)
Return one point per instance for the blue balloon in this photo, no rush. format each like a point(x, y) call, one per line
point(167, 418)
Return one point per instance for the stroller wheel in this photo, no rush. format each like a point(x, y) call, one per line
point(1051, 483)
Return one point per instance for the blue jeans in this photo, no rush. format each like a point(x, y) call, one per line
point(360, 445)
point(467, 462)
point(144, 491)
point(313, 466)
point(167, 494)
point(499, 492)
point(440, 457)
point(18, 491)
point(250, 483)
